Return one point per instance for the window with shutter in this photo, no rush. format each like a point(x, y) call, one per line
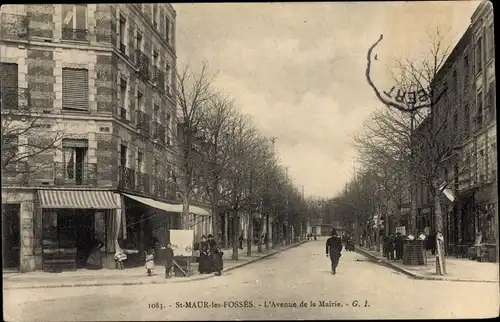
point(9, 86)
point(75, 89)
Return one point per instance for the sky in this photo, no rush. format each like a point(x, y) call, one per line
point(298, 69)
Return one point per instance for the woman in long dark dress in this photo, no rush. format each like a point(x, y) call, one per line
point(95, 259)
point(203, 266)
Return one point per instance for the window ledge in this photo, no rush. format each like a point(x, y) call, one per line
point(69, 111)
point(72, 41)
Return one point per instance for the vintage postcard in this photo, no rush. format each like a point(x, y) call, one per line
point(249, 161)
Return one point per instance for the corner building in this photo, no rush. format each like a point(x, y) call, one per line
point(102, 75)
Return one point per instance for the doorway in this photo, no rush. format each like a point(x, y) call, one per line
point(11, 237)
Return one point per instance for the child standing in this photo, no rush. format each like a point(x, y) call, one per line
point(150, 264)
point(169, 257)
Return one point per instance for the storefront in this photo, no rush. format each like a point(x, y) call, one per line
point(70, 221)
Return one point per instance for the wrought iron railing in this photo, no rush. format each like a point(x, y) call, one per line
point(71, 173)
point(123, 113)
point(126, 178)
point(75, 34)
point(142, 183)
point(158, 187)
point(123, 49)
point(159, 132)
point(143, 121)
point(14, 98)
point(142, 62)
point(171, 190)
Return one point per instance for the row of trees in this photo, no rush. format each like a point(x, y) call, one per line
point(411, 142)
point(226, 160)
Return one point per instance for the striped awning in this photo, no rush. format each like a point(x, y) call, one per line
point(77, 199)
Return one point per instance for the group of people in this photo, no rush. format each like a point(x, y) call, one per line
point(210, 256)
point(163, 255)
point(311, 236)
point(393, 246)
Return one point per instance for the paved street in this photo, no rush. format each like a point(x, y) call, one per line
point(292, 276)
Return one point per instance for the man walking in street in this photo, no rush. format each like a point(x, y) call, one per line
point(334, 249)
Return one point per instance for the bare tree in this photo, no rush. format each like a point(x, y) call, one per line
point(25, 134)
point(215, 131)
point(422, 91)
point(193, 94)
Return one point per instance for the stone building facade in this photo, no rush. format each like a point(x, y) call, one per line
point(468, 75)
point(101, 76)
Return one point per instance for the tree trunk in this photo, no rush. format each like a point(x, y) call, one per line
point(413, 210)
point(236, 234)
point(377, 233)
point(216, 227)
point(267, 232)
point(185, 212)
point(441, 265)
point(249, 235)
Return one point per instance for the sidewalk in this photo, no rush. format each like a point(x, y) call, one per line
point(458, 269)
point(129, 276)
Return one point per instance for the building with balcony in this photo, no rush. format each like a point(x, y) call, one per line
point(468, 81)
point(102, 76)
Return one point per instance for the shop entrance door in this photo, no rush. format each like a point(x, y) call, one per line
point(11, 237)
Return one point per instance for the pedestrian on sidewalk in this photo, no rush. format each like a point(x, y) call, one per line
point(150, 264)
point(218, 261)
point(334, 249)
point(390, 247)
point(169, 257)
point(398, 246)
point(204, 266)
point(241, 241)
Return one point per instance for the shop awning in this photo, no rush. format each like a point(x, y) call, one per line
point(75, 199)
point(168, 206)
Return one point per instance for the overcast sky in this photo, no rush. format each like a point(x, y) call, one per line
point(298, 69)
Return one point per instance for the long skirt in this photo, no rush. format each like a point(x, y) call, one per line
point(205, 265)
point(95, 259)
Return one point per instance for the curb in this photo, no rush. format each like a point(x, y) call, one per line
point(195, 278)
point(417, 276)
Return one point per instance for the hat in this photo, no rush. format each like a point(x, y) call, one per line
point(210, 236)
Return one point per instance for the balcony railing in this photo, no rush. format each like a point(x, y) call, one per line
point(158, 186)
point(14, 98)
point(142, 183)
point(75, 34)
point(123, 49)
point(142, 62)
point(159, 132)
point(143, 121)
point(159, 78)
point(75, 173)
point(13, 26)
point(126, 178)
point(121, 112)
point(171, 190)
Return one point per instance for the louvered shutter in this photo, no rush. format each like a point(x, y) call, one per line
point(75, 89)
point(9, 85)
